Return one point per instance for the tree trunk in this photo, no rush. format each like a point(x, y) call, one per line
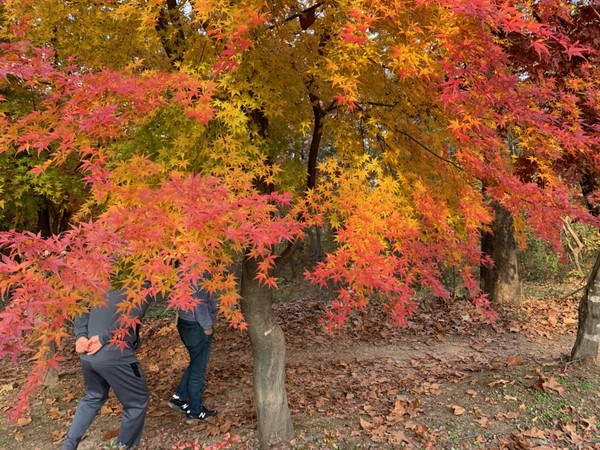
point(43, 225)
point(501, 282)
point(588, 329)
point(51, 378)
point(316, 243)
point(268, 351)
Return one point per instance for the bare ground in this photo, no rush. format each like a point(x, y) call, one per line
point(448, 380)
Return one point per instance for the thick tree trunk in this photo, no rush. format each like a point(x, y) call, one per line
point(268, 350)
point(588, 330)
point(501, 282)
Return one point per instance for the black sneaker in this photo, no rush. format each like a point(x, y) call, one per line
point(202, 415)
point(178, 405)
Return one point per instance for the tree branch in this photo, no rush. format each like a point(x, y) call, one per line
point(428, 150)
point(169, 16)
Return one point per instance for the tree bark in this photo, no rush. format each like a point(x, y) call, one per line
point(501, 282)
point(43, 225)
point(268, 350)
point(316, 243)
point(51, 377)
point(588, 329)
point(172, 43)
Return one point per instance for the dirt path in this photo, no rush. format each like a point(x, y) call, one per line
point(458, 383)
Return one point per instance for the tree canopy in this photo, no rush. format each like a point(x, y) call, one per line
point(204, 130)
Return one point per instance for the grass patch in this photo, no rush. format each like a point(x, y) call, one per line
point(159, 310)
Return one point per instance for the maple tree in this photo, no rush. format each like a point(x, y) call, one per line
point(31, 202)
point(581, 27)
point(205, 131)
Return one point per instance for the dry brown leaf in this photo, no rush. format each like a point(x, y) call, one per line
point(22, 421)
point(413, 407)
point(495, 382)
point(397, 437)
point(571, 430)
point(110, 434)
point(421, 430)
point(472, 393)
point(68, 397)
point(520, 441)
point(225, 426)
point(512, 415)
point(399, 408)
point(365, 424)
point(590, 424)
point(457, 410)
point(553, 385)
point(58, 436)
point(54, 413)
point(398, 412)
point(514, 361)
point(534, 433)
point(484, 422)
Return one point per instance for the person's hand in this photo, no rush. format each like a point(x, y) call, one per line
point(208, 331)
point(81, 344)
point(94, 345)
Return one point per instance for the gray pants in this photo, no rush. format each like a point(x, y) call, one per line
point(129, 385)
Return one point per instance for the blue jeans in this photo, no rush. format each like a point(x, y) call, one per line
point(191, 386)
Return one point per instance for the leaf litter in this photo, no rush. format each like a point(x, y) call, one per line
point(447, 380)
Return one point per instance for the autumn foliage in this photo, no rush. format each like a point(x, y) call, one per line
point(195, 132)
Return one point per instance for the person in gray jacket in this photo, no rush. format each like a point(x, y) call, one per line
point(106, 366)
point(195, 328)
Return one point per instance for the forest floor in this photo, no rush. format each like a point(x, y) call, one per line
point(447, 380)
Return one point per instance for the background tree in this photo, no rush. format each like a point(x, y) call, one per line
point(217, 130)
point(501, 281)
point(566, 70)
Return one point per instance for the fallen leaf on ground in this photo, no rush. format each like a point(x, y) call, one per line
point(110, 434)
point(365, 424)
point(457, 410)
point(22, 421)
point(514, 361)
point(534, 433)
point(484, 422)
point(554, 385)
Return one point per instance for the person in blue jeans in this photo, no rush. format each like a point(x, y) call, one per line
point(195, 329)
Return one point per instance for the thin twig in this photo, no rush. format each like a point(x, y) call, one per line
point(427, 149)
point(574, 292)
